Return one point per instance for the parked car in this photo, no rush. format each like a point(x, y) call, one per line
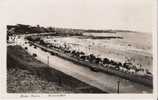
point(94, 69)
point(26, 48)
point(34, 55)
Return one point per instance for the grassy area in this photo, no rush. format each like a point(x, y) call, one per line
point(23, 81)
point(25, 74)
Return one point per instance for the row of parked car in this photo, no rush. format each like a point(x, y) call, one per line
point(125, 67)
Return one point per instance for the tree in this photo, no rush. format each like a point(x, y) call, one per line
point(98, 60)
point(91, 57)
point(105, 61)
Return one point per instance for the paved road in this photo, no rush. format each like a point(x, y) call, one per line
point(100, 80)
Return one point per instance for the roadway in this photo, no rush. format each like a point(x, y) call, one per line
point(105, 82)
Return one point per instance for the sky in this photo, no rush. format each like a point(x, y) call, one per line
point(87, 14)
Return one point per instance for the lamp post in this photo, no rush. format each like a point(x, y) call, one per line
point(48, 60)
point(118, 86)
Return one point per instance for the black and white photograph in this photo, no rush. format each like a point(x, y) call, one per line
point(80, 47)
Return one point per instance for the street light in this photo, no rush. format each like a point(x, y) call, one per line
point(48, 60)
point(118, 86)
